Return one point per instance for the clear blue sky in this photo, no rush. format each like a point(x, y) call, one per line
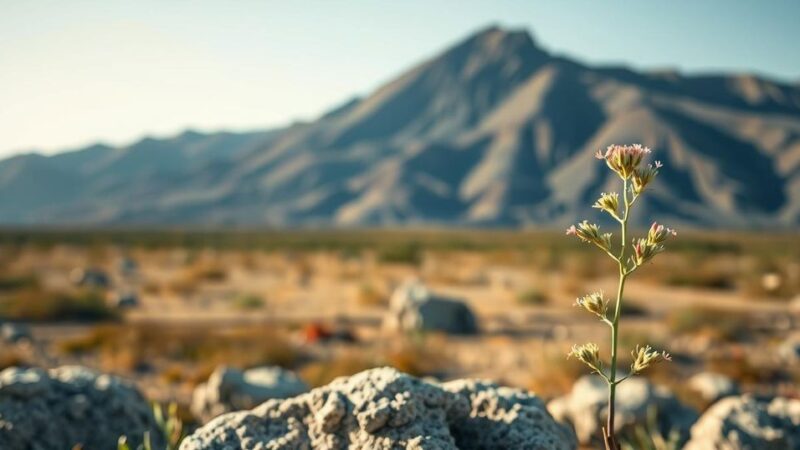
point(77, 71)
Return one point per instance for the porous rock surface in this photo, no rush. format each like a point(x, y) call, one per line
point(746, 423)
point(70, 406)
point(413, 307)
point(229, 389)
point(385, 409)
point(586, 408)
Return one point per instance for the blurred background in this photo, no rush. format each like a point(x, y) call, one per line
point(331, 186)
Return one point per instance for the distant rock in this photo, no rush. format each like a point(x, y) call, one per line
point(124, 300)
point(382, 409)
point(585, 407)
point(90, 277)
point(789, 350)
point(745, 423)
point(229, 389)
point(127, 266)
point(713, 386)
point(69, 406)
point(14, 332)
point(413, 307)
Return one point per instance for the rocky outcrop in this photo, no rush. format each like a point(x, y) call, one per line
point(413, 307)
point(385, 409)
point(586, 408)
point(713, 386)
point(745, 423)
point(70, 406)
point(229, 389)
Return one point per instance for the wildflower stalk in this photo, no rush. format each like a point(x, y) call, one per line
point(608, 432)
point(624, 161)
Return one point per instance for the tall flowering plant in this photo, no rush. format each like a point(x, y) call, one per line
point(625, 161)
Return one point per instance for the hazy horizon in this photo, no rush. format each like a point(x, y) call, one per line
point(125, 71)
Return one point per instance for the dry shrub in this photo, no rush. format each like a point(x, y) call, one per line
point(200, 271)
point(249, 302)
point(699, 277)
point(423, 356)
point(126, 347)
point(10, 357)
point(532, 297)
point(36, 304)
point(174, 374)
point(739, 367)
point(409, 253)
point(370, 296)
point(15, 282)
point(757, 283)
point(721, 324)
point(554, 374)
point(320, 373)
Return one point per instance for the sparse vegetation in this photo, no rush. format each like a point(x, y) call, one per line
point(37, 304)
point(127, 347)
point(249, 302)
point(369, 296)
point(405, 253)
point(532, 297)
point(718, 323)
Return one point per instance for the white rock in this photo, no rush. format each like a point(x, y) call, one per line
point(585, 407)
point(745, 423)
point(382, 409)
point(713, 386)
point(229, 389)
point(413, 307)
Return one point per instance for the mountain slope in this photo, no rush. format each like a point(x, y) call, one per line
point(493, 131)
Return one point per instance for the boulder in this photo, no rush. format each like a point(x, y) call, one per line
point(229, 389)
point(585, 407)
point(746, 423)
point(14, 332)
point(713, 386)
point(382, 409)
point(413, 307)
point(70, 406)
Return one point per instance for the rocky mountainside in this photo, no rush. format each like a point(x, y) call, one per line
point(494, 131)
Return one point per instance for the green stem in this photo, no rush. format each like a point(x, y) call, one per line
point(611, 443)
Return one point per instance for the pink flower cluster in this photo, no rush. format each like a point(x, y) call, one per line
point(623, 159)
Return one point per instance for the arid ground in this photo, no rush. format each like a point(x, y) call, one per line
point(314, 302)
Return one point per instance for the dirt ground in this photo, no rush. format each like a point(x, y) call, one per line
point(720, 308)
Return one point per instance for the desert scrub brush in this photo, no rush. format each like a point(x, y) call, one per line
point(626, 162)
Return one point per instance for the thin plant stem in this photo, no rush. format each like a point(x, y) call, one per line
point(610, 440)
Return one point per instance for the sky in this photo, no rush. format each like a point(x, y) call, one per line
point(78, 72)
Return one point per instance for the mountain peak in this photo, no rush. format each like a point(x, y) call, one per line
point(490, 131)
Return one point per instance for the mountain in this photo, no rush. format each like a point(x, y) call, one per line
point(494, 131)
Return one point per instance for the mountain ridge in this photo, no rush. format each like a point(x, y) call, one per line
point(493, 131)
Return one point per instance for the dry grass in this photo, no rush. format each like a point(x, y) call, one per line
point(40, 305)
point(554, 374)
point(369, 296)
point(15, 282)
point(720, 324)
point(127, 347)
point(10, 357)
point(249, 302)
point(320, 373)
point(532, 297)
